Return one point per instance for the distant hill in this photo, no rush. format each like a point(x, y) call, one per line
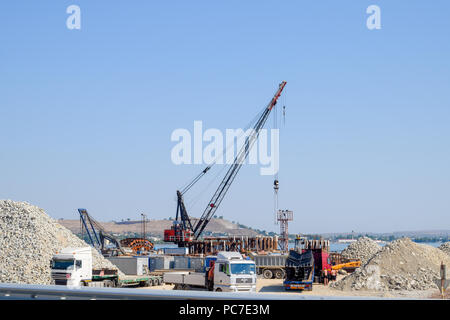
point(155, 228)
point(223, 227)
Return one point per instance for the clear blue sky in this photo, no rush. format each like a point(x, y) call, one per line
point(86, 115)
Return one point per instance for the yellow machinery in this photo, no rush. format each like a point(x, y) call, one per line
point(351, 264)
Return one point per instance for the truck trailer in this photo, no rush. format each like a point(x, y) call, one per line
point(299, 271)
point(228, 272)
point(73, 267)
point(270, 265)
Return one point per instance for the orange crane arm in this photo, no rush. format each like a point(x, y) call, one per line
point(351, 264)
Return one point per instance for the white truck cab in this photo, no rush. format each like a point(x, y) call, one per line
point(228, 272)
point(72, 265)
point(233, 273)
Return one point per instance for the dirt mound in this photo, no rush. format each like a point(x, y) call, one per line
point(400, 265)
point(29, 238)
point(363, 249)
point(445, 247)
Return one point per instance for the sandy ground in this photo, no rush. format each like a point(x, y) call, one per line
point(275, 286)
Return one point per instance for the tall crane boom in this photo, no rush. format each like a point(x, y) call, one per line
point(182, 230)
point(234, 169)
point(96, 233)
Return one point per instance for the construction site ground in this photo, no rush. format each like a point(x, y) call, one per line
point(271, 286)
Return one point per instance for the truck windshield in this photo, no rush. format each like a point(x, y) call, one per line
point(62, 264)
point(242, 268)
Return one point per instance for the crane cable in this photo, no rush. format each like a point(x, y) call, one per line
point(275, 182)
point(276, 176)
point(192, 202)
point(224, 151)
point(235, 167)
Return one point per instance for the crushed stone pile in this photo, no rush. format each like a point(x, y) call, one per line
point(28, 240)
point(400, 265)
point(445, 247)
point(364, 249)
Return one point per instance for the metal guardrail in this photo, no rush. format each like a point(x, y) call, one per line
point(53, 292)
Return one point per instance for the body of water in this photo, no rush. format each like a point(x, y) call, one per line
point(338, 246)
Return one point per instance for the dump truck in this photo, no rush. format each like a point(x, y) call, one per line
point(73, 267)
point(228, 272)
point(299, 271)
point(269, 265)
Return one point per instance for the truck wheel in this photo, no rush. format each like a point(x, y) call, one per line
point(279, 274)
point(218, 290)
point(160, 281)
point(154, 282)
point(267, 274)
point(108, 284)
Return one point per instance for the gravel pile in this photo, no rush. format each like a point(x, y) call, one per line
point(28, 240)
point(400, 265)
point(445, 247)
point(363, 249)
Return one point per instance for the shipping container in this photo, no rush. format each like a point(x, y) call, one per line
point(176, 251)
point(130, 265)
point(161, 262)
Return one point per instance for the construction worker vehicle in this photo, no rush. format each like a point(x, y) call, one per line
point(228, 272)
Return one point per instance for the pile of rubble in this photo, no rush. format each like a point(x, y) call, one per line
point(445, 247)
point(364, 249)
point(400, 265)
point(28, 240)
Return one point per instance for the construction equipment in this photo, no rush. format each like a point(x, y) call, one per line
point(141, 245)
point(243, 244)
point(143, 225)
point(183, 230)
point(339, 262)
point(283, 217)
point(98, 238)
point(138, 245)
point(97, 235)
point(348, 265)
